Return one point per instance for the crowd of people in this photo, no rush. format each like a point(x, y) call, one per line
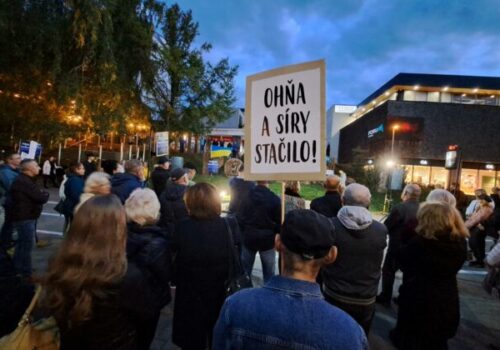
point(126, 247)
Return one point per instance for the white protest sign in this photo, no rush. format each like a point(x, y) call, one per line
point(162, 145)
point(285, 123)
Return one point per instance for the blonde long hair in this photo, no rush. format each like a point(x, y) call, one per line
point(437, 219)
point(90, 260)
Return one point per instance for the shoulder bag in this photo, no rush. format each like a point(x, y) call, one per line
point(40, 335)
point(237, 277)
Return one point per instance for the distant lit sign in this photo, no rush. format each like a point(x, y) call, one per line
point(375, 131)
point(344, 109)
point(450, 161)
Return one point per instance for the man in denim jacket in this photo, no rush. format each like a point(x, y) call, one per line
point(289, 311)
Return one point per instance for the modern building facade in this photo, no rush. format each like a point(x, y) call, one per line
point(414, 118)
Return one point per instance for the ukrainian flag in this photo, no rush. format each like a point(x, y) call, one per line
point(219, 151)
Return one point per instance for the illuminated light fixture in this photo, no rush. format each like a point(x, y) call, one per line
point(73, 102)
point(387, 93)
point(395, 126)
point(49, 83)
point(373, 102)
point(463, 95)
point(446, 88)
point(370, 161)
point(424, 162)
point(363, 109)
point(416, 87)
point(492, 96)
point(17, 95)
point(475, 90)
point(1, 91)
point(222, 194)
point(490, 166)
point(390, 163)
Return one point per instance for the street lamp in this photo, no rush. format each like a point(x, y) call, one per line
point(390, 165)
point(394, 128)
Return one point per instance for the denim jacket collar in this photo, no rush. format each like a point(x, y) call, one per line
point(293, 286)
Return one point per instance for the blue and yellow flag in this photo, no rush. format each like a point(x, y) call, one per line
point(219, 151)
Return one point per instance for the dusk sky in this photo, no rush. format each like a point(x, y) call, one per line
point(364, 42)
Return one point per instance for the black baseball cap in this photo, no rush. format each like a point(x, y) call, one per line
point(177, 173)
point(163, 160)
point(308, 234)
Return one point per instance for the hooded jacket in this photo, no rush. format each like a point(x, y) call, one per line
point(360, 241)
point(123, 184)
point(260, 218)
point(173, 208)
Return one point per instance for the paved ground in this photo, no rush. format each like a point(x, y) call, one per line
point(479, 326)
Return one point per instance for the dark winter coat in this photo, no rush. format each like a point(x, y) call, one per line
point(90, 167)
point(159, 179)
point(147, 246)
point(360, 242)
point(201, 269)
point(7, 177)
point(173, 208)
point(401, 223)
point(260, 217)
point(27, 199)
point(73, 189)
point(116, 318)
point(328, 205)
point(428, 298)
point(123, 184)
point(239, 189)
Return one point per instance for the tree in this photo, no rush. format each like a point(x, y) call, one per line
point(189, 93)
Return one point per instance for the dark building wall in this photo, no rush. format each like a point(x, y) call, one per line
point(475, 128)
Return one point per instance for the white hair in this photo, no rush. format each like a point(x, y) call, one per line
point(357, 195)
point(95, 181)
point(143, 207)
point(440, 195)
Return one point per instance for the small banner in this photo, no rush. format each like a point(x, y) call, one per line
point(219, 151)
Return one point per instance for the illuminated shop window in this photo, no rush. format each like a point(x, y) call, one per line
point(469, 181)
point(439, 177)
point(421, 174)
point(487, 179)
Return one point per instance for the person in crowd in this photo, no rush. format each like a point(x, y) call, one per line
point(330, 204)
point(429, 313)
point(110, 166)
point(289, 311)
point(27, 203)
point(260, 217)
point(147, 246)
point(238, 187)
point(351, 283)
point(73, 189)
point(493, 257)
point(96, 184)
point(173, 208)
point(474, 205)
point(293, 200)
point(160, 175)
point(480, 224)
point(495, 197)
point(441, 195)
point(98, 299)
point(8, 173)
point(401, 224)
point(123, 184)
point(191, 171)
point(16, 293)
point(89, 164)
point(460, 197)
point(202, 252)
point(49, 172)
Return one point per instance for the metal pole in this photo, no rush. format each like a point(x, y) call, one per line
point(59, 155)
point(143, 152)
point(129, 152)
point(122, 145)
point(79, 152)
point(100, 155)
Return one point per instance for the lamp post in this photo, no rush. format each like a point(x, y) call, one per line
point(390, 165)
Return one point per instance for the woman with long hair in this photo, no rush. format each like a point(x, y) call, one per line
point(429, 312)
point(148, 247)
point(203, 250)
point(293, 200)
point(96, 184)
point(96, 297)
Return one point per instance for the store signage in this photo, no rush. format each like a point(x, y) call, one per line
point(375, 131)
point(285, 123)
point(344, 109)
point(30, 149)
point(451, 157)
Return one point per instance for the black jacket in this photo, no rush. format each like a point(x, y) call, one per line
point(147, 246)
point(239, 189)
point(428, 297)
point(260, 218)
point(201, 269)
point(90, 167)
point(328, 205)
point(173, 208)
point(401, 223)
point(356, 272)
point(116, 317)
point(159, 178)
point(27, 199)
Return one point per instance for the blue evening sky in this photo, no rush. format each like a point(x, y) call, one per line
point(364, 42)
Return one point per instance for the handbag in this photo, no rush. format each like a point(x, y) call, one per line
point(40, 335)
point(237, 277)
point(491, 282)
